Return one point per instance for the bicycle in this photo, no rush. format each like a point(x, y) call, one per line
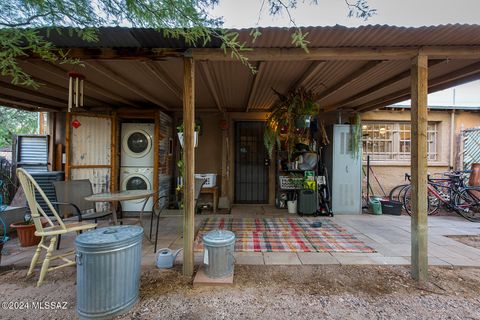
point(453, 193)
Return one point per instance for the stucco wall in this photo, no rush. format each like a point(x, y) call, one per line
point(391, 174)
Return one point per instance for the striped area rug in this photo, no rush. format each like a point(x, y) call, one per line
point(284, 235)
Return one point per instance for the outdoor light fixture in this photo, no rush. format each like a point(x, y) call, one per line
point(75, 90)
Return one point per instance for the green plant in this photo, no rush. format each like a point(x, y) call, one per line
point(281, 121)
point(356, 135)
point(197, 127)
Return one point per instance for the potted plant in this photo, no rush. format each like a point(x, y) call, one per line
point(195, 137)
point(26, 231)
point(289, 119)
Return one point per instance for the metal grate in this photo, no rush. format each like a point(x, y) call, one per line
point(471, 147)
point(251, 173)
point(32, 152)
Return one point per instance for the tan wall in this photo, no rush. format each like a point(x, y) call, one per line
point(208, 154)
point(390, 173)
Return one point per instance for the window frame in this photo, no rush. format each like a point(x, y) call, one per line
point(395, 155)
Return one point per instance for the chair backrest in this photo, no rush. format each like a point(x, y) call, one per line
point(199, 182)
point(30, 186)
point(45, 181)
point(74, 191)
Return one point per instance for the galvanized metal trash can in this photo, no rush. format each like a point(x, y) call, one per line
point(218, 255)
point(108, 271)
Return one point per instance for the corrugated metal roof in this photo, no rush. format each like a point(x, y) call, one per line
point(131, 83)
point(334, 37)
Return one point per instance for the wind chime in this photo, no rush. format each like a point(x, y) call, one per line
point(75, 90)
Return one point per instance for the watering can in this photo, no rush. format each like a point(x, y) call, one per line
point(166, 257)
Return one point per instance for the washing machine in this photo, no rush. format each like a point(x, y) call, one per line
point(132, 178)
point(137, 145)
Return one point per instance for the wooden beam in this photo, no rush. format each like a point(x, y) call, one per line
point(189, 160)
point(90, 166)
point(312, 70)
point(117, 78)
point(347, 80)
point(58, 157)
point(68, 119)
point(164, 78)
point(33, 92)
point(447, 79)
point(212, 84)
point(33, 105)
point(89, 84)
point(419, 167)
point(390, 81)
point(254, 87)
point(156, 156)
point(113, 153)
point(52, 132)
point(364, 53)
point(431, 89)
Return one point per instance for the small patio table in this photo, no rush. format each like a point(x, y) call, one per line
point(115, 197)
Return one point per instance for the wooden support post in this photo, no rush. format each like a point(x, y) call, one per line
point(59, 157)
point(419, 225)
point(156, 156)
point(113, 154)
point(189, 159)
point(68, 119)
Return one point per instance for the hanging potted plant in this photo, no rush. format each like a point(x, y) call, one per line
point(195, 136)
point(26, 231)
point(289, 119)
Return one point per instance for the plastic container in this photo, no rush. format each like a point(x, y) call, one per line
point(292, 206)
point(375, 206)
point(108, 271)
point(218, 255)
point(211, 179)
point(391, 207)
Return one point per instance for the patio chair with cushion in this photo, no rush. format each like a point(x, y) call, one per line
point(55, 227)
point(71, 201)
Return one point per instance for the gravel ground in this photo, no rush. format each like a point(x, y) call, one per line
point(273, 292)
point(472, 241)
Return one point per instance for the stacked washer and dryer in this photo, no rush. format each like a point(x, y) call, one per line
point(136, 172)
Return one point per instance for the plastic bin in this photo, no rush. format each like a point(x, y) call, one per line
point(211, 179)
point(391, 207)
point(375, 206)
point(108, 271)
point(218, 255)
point(307, 202)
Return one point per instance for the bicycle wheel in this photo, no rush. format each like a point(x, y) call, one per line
point(396, 192)
point(433, 202)
point(467, 205)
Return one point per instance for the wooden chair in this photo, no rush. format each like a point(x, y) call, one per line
point(55, 228)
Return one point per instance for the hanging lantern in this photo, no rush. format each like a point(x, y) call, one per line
point(75, 90)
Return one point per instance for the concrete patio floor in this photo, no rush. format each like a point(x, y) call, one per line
point(388, 235)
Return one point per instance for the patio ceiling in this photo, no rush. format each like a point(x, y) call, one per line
point(347, 68)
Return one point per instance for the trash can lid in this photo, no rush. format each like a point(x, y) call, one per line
point(108, 235)
point(219, 237)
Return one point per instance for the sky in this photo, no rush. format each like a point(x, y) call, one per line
point(408, 13)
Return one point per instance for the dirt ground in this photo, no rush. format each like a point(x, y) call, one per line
point(472, 241)
point(267, 292)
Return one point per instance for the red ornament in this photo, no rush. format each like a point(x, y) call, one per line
point(223, 124)
point(76, 123)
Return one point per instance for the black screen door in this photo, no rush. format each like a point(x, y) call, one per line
point(251, 172)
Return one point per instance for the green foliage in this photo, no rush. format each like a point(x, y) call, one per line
point(14, 121)
point(297, 103)
point(187, 19)
point(356, 134)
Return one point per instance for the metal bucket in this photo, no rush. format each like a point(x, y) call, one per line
point(218, 255)
point(108, 271)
